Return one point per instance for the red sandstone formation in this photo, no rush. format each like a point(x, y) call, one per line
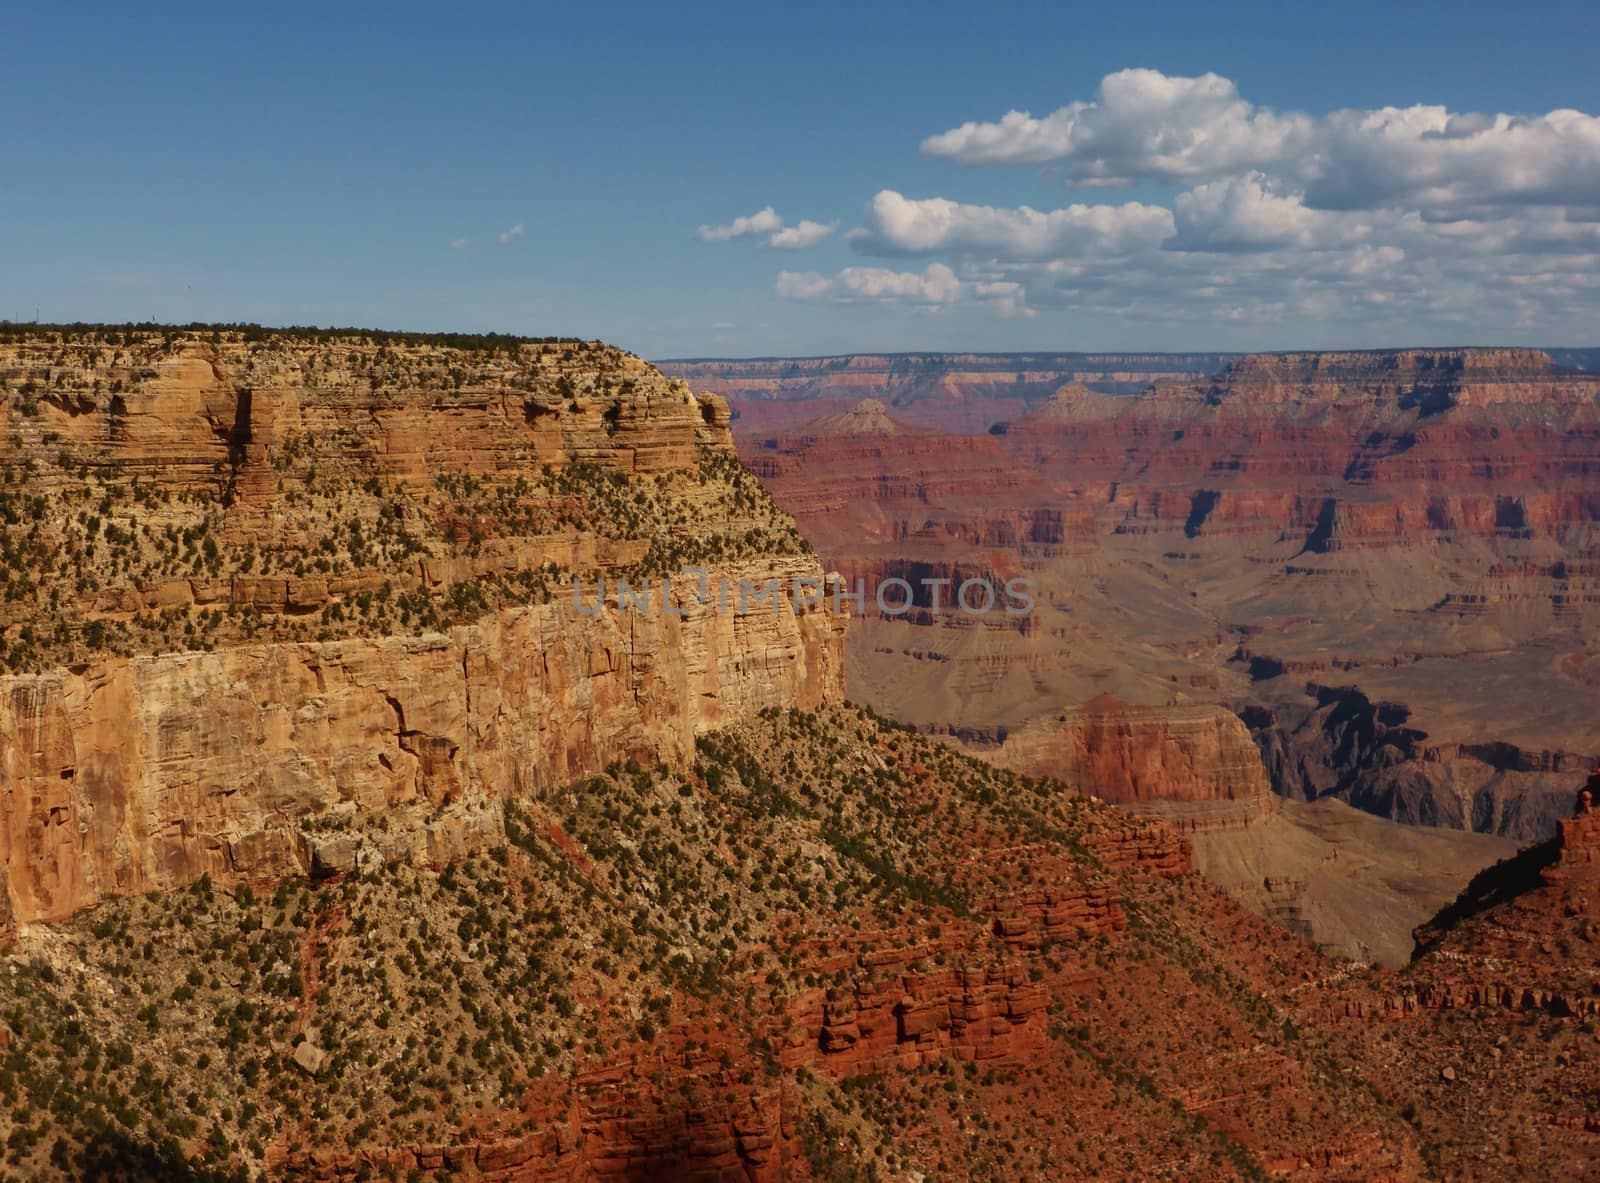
point(253, 585)
point(980, 971)
point(1141, 756)
point(1416, 532)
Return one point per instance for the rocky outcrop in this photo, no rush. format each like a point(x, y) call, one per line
point(177, 409)
point(1152, 847)
point(199, 488)
point(1515, 910)
point(1579, 835)
point(1076, 403)
point(897, 1020)
point(1144, 756)
point(870, 416)
point(617, 1125)
point(1373, 755)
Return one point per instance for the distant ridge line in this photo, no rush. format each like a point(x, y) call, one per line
point(1104, 355)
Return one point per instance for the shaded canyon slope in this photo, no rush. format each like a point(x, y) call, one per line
point(825, 949)
point(1387, 563)
point(1486, 1041)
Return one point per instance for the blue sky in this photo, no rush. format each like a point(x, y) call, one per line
point(358, 164)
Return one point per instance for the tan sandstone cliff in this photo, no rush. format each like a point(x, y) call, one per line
point(389, 623)
point(143, 774)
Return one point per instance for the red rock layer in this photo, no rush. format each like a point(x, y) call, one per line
point(1407, 517)
point(1139, 755)
point(972, 990)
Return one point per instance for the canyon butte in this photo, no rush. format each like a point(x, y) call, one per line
point(343, 840)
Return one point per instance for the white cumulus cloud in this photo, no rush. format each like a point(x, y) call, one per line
point(760, 224)
point(897, 225)
point(933, 289)
point(1253, 213)
point(766, 224)
point(507, 237)
point(803, 234)
point(1389, 222)
point(1430, 159)
point(1142, 123)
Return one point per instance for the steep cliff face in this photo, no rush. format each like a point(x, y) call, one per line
point(258, 591)
point(169, 490)
point(143, 774)
point(1372, 754)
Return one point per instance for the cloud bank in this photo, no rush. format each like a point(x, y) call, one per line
point(1419, 216)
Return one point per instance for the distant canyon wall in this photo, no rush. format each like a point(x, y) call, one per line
point(1341, 743)
point(1412, 527)
point(959, 392)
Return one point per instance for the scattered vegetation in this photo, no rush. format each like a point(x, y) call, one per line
point(334, 483)
point(681, 923)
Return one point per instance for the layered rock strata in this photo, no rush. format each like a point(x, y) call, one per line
point(259, 587)
point(1299, 535)
point(144, 774)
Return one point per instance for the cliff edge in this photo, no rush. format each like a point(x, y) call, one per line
point(259, 586)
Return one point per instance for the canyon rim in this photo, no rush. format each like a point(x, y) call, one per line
point(968, 595)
